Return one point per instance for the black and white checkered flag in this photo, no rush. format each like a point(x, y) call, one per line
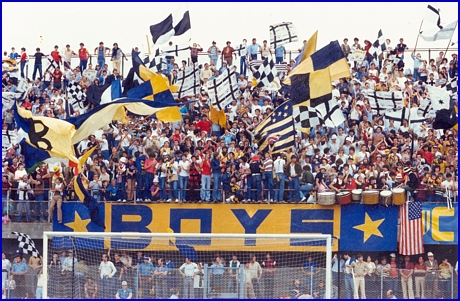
point(330, 113)
point(451, 86)
point(188, 81)
point(379, 46)
point(282, 33)
point(223, 89)
point(306, 117)
point(26, 244)
point(394, 59)
point(52, 66)
point(77, 97)
point(266, 72)
point(155, 63)
point(380, 101)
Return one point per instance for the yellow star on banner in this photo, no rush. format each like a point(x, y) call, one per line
point(78, 225)
point(370, 227)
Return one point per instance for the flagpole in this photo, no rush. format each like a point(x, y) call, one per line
point(418, 35)
point(148, 43)
point(448, 45)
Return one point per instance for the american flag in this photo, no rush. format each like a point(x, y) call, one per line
point(411, 233)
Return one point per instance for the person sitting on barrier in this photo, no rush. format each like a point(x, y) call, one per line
point(410, 180)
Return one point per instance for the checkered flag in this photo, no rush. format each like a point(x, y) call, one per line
point(378, 46)
point(189, 81)
point(52, 66)
point(380, 101)
point(394, 59)
point(155, 62)
point(223, 89)
point(76, 95)
point(306, 117)
point(26, 244)
point(282, 33)
point(451, 86)
point(266, 72)
point(330, 112)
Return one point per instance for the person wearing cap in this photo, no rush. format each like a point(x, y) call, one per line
point(213, 52)
point(101, 51)
point(431, 276)
point(124, 292)
point(83, 54)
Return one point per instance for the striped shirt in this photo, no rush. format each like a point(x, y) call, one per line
point(268, 165)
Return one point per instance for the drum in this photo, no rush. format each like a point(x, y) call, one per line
point(344, 198)
point(385, 197)
point(326, 198)
point(370, 197)
point(399, 196)
point(356, 194)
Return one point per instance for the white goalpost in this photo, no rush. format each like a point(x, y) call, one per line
point(154, 265)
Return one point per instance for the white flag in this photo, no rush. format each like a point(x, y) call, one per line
point(436, 34)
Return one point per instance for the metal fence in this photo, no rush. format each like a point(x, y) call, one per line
point(238, 283)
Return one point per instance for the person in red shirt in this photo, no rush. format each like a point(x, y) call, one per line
point(205, 167)
point(204, 125)
point(56, 55)
point(57, 75)
point(269, 267)
point(23, 61)
point(227, 53)
point(429, 156)
point(27, 104)
point(83, 54)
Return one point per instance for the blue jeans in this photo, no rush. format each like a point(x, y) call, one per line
point(205, 194)
point(172, 190)
point(349, 285)
point(162, 182)
point(21, 206)
point(39, 68)
point(183, 182)
point(106, 154)
point(247, 193)
point(83, 64)
point(106, 288)
point(23, 65)
point(140, 191)
point(39, 293)
point(214, 58)
point(256, 185)
point(278, 60)
point(101, 62)
point(145, 183)
point(243, 65)
point(445, 287)
point(416, 75)
point(268, 185)
point(305, 190)
point(41, 206)
point(253, 56)
point(216, 195)
point(392, 284)
point(279, 193)
point(294, 186)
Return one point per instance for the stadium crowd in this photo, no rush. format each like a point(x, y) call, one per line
point(197, 161)
point(262, 275)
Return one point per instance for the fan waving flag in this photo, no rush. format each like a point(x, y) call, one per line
point(266, 72)
point(411, 233)
point(88, 200)
point(279, 124)
point(189, 81)
point(436, 34)
point(379, 46)
point(170, 27)
point(223, 89)
point(380, 101)
point(282, 33)
point(26, 244)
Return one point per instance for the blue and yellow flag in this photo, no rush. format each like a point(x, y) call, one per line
point(81, 190)
point(330, 56)
point(368, 228)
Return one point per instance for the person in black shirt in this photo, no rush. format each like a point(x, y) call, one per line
point(38, 63)
point(410, 180)
point(256, 178)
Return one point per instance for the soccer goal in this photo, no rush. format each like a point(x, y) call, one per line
point(189, 265)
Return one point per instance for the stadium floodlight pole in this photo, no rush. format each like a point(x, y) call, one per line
point(324, 237)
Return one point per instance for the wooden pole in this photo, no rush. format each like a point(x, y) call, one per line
point(450, 41)
point(418, 35)
point(148, 43)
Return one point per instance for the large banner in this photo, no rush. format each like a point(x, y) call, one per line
point(360, 227)
point(440, 224)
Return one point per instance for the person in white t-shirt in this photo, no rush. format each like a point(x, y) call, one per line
point(188, 270)
point(278, 166)
point(184, 173)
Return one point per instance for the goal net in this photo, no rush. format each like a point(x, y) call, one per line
point(191, 266)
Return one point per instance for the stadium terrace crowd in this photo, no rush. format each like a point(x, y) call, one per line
point(145, 275)
point(197, 161)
